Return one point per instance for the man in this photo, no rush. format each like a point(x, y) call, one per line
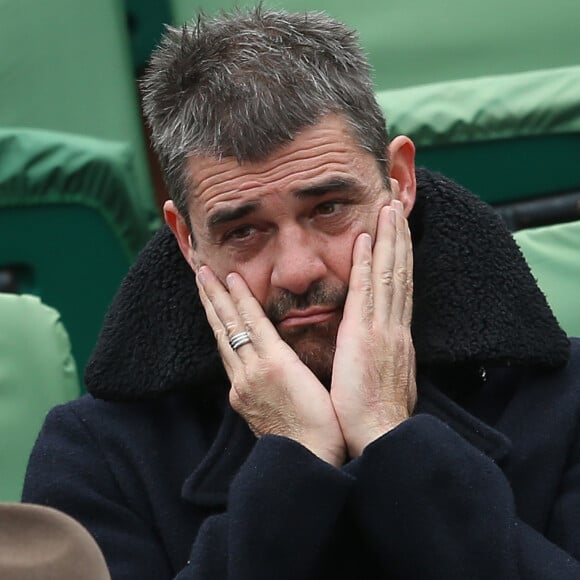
point(309, 444)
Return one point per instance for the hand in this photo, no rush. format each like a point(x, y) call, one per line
point(272, 389)
point(373, 379)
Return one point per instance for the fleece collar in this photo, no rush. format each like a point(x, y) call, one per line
point(475, 303)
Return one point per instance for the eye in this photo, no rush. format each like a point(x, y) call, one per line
point(240, 234)
point(328, 207)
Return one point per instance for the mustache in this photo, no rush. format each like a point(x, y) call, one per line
point(319, 294)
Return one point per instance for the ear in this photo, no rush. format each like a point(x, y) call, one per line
point(181, 232)
point(402, 153)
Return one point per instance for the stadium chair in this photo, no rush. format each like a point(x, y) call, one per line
point(66, 66)
point(37, 372)
point(69, 229)
point(553, 253)
point(510, 139)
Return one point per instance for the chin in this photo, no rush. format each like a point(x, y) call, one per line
point(315, 346)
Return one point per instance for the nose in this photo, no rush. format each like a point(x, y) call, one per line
point(298, 262)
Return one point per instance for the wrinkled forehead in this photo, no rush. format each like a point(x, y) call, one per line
point(325, 149)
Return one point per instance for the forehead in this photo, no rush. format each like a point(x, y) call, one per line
point(325, 150)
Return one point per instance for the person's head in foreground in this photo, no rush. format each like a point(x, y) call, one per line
point(277, 157)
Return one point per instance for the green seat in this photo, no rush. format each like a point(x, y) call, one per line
point(507, 138)
point(37, 372)
point(412, 43)
point(66, 66)
point(553, 253)
point(69, 229)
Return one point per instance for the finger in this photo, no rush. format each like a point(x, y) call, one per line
point(230, 361)
point(411, 381)
point(359, 300)
point(384, 263)
point(401, 275)
point(408, 309)
point(262, 331)
point(226, 321)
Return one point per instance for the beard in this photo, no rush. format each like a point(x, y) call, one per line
point(315, 344)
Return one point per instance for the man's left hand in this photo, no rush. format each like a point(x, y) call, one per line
point(373, 380)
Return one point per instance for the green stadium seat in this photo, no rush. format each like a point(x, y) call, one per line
point(37, 372)
point(66, 66)
point(69, 228)
point(553, 254)
point(507, 138)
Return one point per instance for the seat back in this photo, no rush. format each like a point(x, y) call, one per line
point(553, 253)
point(66, 66)
point(37, 371)
point(69, 228)
point(496, 135)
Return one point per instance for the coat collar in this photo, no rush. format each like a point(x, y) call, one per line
point(209, 483)
point(475, 301)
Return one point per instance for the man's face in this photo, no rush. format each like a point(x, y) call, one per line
point(287, 225)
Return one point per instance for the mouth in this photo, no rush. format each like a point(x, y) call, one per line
point(308, 317)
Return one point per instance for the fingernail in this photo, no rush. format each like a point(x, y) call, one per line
point(393, 215)
point(365, 244)
point(230, 281)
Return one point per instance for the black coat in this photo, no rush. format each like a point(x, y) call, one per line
point(483, 482)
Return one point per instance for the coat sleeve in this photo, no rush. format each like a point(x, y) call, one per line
point(259, 536)
point(282, 510)
point(434, 506)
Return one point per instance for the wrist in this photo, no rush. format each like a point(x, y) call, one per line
point(369, 434)
point(333, 456)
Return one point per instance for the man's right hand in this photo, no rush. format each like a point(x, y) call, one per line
point(272, 389)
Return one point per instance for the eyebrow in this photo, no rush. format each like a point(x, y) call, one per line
point(223, 216)
point(226, 215)
point(320, 189)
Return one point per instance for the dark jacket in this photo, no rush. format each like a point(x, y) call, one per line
point(483, 482)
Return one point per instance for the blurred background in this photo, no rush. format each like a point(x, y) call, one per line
point(489, 92)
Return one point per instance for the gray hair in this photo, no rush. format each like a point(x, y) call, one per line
point(243, 84)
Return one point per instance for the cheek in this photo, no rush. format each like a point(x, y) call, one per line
point(371, 219)
point(338, 255)
point(256, 273)
point(339, 250)
point(257, 276)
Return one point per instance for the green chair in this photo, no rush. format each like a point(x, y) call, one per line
point(37, 372)
point(507, 138)
point(419, 42)
point(69, 228)
point(66, 66)
point(553, 253)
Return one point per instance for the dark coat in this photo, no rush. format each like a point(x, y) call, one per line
point(483, 482)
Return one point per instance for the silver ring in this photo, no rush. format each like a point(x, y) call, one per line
point(239, 340)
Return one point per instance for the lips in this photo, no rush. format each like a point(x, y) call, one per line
point(308, 317)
